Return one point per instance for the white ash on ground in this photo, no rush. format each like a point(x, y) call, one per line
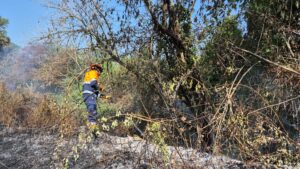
point(22, 149)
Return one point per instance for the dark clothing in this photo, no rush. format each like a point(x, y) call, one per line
point(90, 86)
point(90, 101)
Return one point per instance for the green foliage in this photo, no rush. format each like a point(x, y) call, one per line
point(218, 64)
point(157, 136)
point(4, 40)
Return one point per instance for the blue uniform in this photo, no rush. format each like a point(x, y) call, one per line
point(90, 93)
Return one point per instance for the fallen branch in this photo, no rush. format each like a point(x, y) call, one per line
point(296, 33)
point(276, 104)
point(269, 61)
point(2, 164)
point(287, 42)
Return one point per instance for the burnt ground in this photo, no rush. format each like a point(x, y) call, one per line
point(23, 149)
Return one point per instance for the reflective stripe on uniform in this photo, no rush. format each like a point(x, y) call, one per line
point(87, 91)
point(89, 81)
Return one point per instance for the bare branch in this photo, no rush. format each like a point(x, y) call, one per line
point(269, 61)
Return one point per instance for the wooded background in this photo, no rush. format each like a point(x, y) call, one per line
point(219, 76)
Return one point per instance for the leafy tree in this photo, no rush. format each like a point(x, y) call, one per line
point(216, 84)
point(4, 40)
point(273, 30)
point(217, 52)
point(162, 35)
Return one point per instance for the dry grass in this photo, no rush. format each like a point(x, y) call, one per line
point(12, 106)
point(23, 108)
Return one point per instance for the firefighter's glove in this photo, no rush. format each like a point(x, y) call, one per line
point(106, 97)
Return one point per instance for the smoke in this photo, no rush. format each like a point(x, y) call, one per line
point(18, 67)
point(6, 50)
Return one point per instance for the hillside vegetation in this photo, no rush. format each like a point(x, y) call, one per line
point(220, 77)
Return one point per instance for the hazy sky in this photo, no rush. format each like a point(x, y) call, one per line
point(27, 19)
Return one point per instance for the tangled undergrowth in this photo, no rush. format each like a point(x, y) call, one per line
point(250, 132)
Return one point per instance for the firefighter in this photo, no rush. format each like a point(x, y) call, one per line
point(91, 91)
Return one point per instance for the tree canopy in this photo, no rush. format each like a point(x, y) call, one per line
point(4, 40)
